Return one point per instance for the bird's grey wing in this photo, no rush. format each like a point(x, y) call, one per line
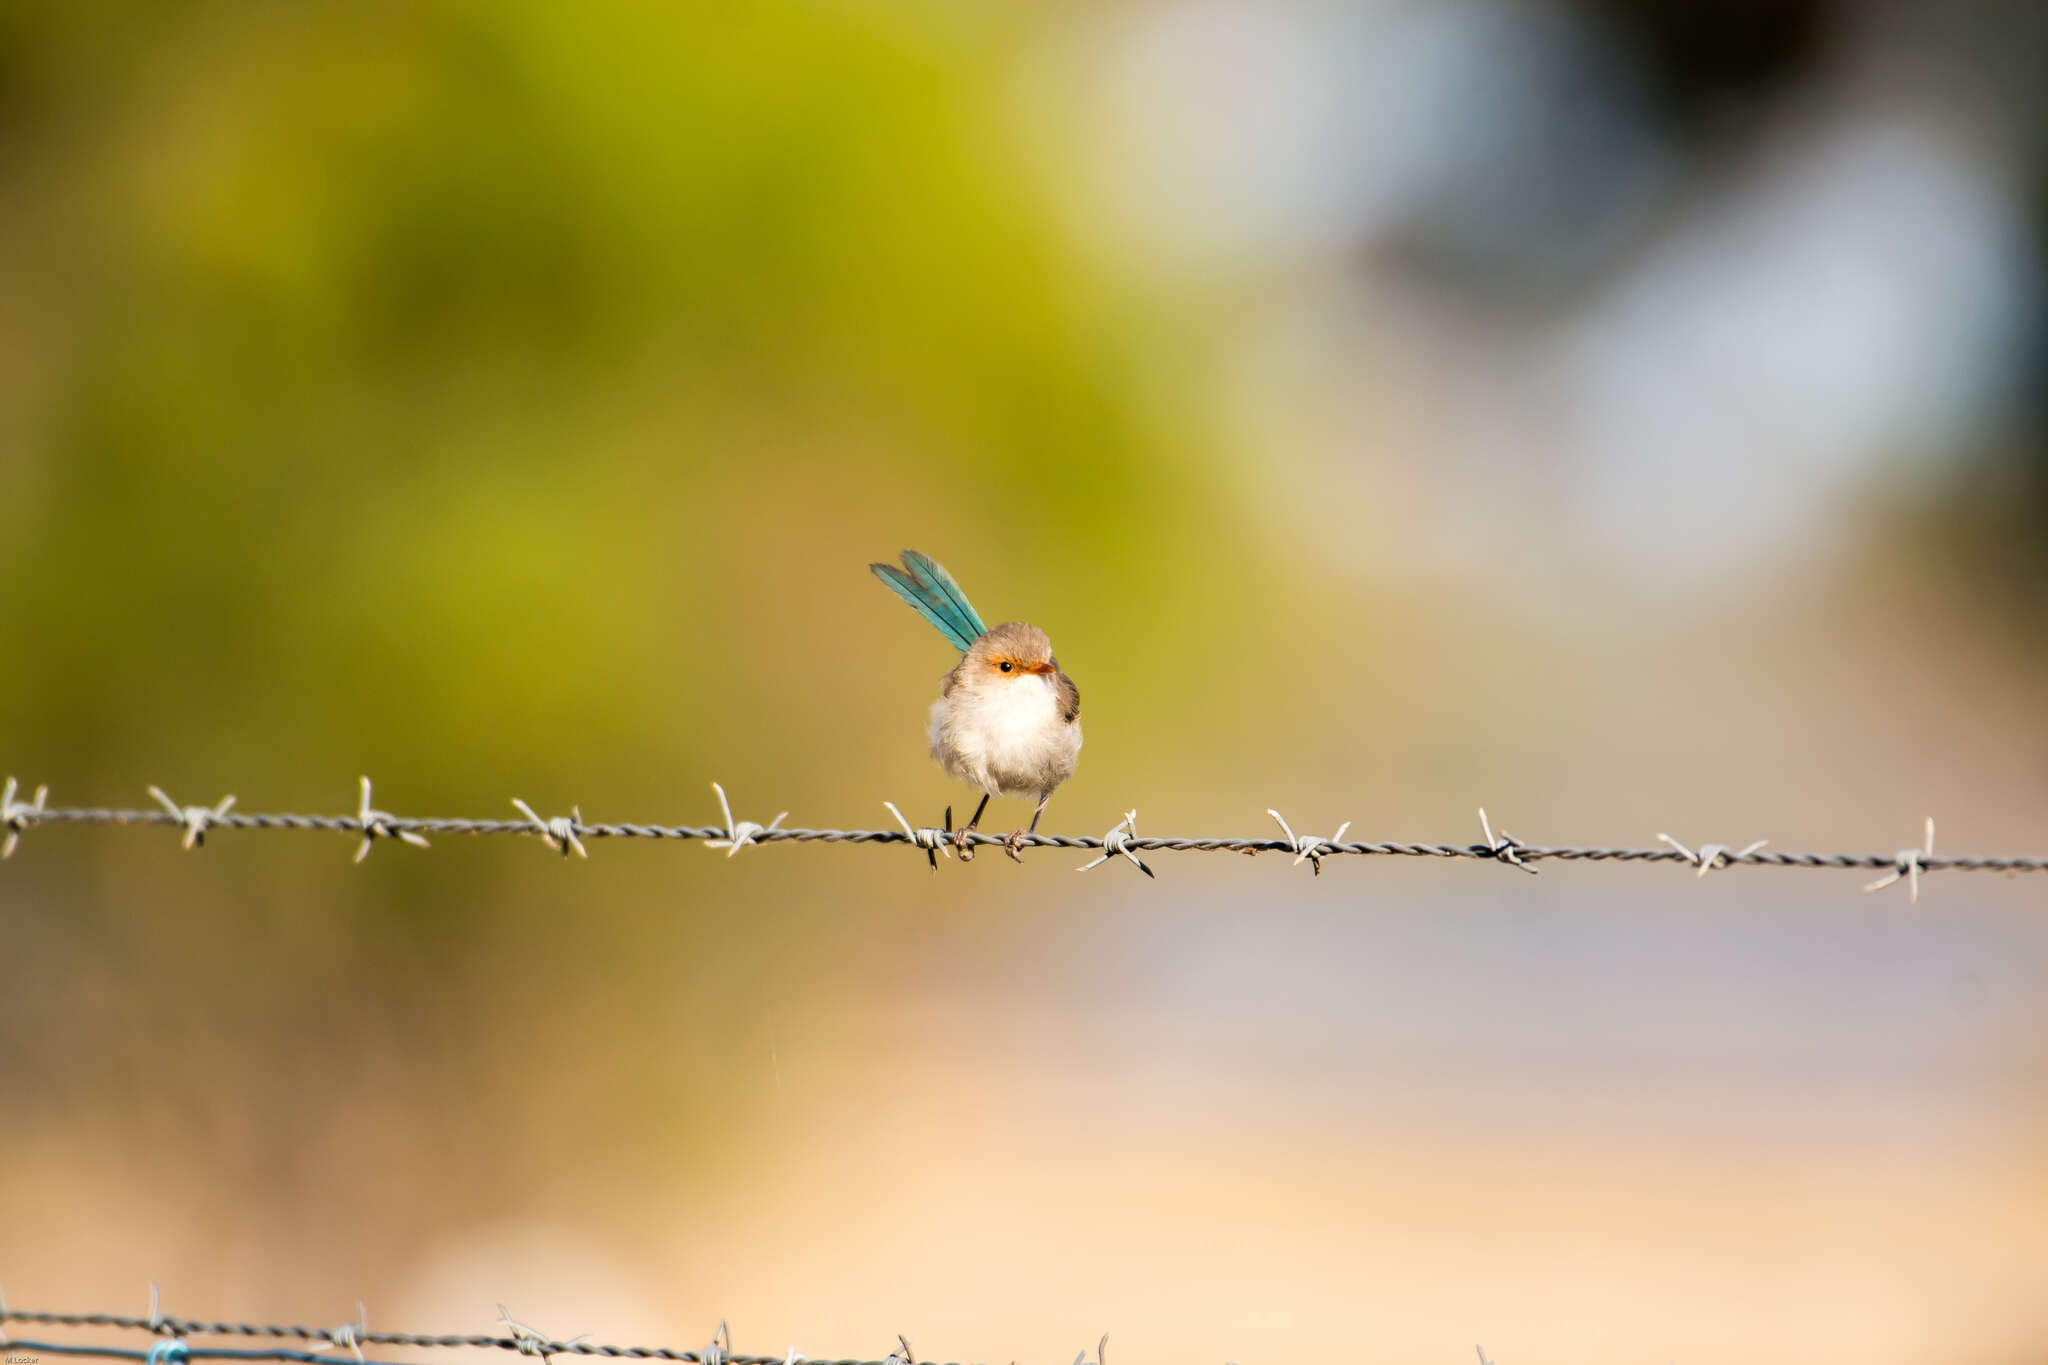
point(1069, 695)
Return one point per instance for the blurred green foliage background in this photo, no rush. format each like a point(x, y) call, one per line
point(504, 399)
point(445, 346)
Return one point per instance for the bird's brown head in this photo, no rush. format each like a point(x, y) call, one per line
point(1010, 651)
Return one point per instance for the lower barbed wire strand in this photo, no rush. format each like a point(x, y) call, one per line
point(177, 1328)
point(188, 1353)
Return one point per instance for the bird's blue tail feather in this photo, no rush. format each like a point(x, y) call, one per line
point(929, 588)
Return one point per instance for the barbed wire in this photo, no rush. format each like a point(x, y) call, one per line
point(171, 1348)
point(570, 833)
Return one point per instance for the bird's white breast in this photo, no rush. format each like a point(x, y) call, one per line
point(1008, 737)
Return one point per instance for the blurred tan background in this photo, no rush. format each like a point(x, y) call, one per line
point(1624, 415)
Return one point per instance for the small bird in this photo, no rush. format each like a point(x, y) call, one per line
point(1007, 720)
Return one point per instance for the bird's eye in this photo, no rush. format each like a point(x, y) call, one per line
point(1004, 665)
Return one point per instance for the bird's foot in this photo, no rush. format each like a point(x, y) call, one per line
point(960, 841)
point(1012, 843)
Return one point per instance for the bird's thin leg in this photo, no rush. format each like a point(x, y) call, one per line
point(960, 837)
point(1016, 839)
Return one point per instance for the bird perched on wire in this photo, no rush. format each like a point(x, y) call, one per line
point(1007, 720)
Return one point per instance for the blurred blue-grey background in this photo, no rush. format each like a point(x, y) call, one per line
point(1624, 414)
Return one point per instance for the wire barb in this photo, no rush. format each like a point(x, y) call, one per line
point(349, 1336)
point(381, 824)
point(932, 841)
point(18, 816)
point(560, 832)
point(720, 1349)
point(530, 1341)
point(1507, 847)
point(741, 833)
point(1712, 856)
point(196, 819)
point(1910, 863)
point(1307, 845)
point(1118, 842)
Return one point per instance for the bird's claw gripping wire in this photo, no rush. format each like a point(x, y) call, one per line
point(1711, 856)
point(196, 819)
point(1013, 841)
point(932, 841)
point(19, 815)
point(560, 832)
point(381, 824)
point(1910, 863)
point(1308, 845)
point(902, 1355)
point(1507, 848)
point(738, 834)
point(1118, 842)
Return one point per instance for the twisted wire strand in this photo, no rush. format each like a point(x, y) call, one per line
point(95, 1351)
point(385, 826)
point(167, 1326)
point(99, 1352)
